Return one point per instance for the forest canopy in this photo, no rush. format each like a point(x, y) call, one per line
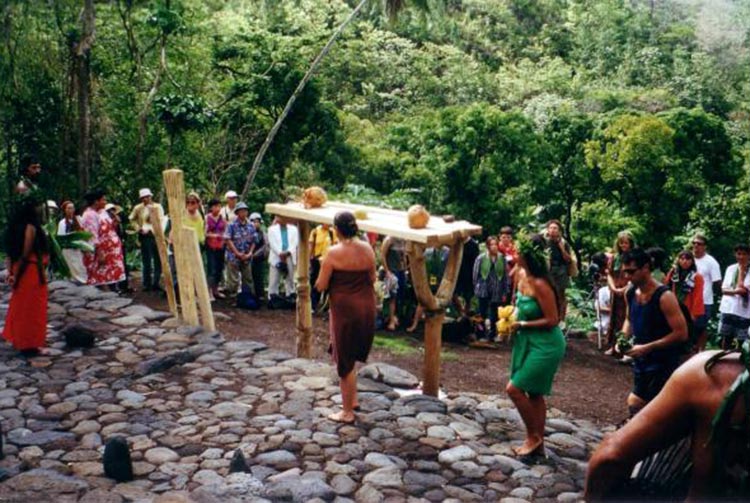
point(606, 114)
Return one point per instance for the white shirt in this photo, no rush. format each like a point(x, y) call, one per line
point(709, 268)
point(603, 301)
point(228, 214)
point(735, 304)
point(274, 243)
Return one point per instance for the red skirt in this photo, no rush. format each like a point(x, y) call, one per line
point(26, 322)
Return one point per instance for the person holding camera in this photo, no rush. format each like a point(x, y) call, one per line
point(283, 240)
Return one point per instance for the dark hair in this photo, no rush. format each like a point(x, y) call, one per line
point(490, 238)
point(23, 215)
point(28, 160)
point(554, 221)
point(742, 247)
point(93, 196)
point(213, 202)
point(346, 224)
point(658, 257)
point(600, 259)
point(506, 230)
point(639, 256)
point(533, 252)
point(688, 254)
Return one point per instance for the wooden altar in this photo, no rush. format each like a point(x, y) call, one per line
point(389, 223)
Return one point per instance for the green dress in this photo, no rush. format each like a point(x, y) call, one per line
point(537, 352)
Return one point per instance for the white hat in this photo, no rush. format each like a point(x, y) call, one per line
point(109, 206)
point(256, 216)
point(144, 193)
point(51, 204)
point(230, 194)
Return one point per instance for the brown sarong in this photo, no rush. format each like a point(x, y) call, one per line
point(352, 318)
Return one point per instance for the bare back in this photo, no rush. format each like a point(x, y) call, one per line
point(348, 255)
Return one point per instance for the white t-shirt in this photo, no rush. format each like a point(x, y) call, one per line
point(709, 268)
point(735, 304)
point(603, 301)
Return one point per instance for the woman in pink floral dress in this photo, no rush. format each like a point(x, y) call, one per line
point(106, 266)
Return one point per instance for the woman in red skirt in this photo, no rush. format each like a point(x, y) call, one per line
point(26, 322)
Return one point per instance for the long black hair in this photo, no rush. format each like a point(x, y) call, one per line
point(24, 215)
point(533, 251)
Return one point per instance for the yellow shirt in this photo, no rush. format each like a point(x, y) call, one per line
point(196, 222)
point(322, 239)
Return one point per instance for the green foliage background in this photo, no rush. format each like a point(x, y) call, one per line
point(607, 114)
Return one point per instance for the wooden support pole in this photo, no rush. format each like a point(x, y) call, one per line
point(193, 251)
point(304, 302)
point(166, 269)
point(434, 307)
point(175, 187)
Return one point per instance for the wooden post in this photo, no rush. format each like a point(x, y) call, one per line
point(434, 306)
point(166, 269)
point(304, 302)
point(175, 187)
point(193, 251)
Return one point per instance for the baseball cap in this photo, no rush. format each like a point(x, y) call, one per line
point(230, 195)
point(256, 216)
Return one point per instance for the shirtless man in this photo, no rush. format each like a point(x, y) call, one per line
point(686, 406)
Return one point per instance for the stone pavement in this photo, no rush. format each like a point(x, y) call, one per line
point(188, 402)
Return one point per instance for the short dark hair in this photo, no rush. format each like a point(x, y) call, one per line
point(346, 224)
point(213, 202)
point(94, 195)
point(490, 238)
point(742, 247)
point(639, 256)
point(554, 221)
point(507, 229)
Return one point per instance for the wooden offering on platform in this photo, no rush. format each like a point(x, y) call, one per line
point(436, 233)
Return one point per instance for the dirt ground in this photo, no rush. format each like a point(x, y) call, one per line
point(588, 385)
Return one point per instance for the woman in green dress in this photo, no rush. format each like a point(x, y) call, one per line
point(538, 343)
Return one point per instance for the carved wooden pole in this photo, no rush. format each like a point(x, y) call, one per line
point(166, 269)
point(434, 306)
point(175, 187)
point(304, 302)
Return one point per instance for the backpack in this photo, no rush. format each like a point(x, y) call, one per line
point(247, 300)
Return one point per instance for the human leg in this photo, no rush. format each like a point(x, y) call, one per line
point(232, 277)
point(146, 270)
point(484, 307)
point(314, 272)
point(246, 273)
point(273, 280)
point(529, 413)
point(259, 267)
point(348, 399)
point(289, 288)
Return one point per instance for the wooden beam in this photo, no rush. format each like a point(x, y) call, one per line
point(379, 220)
point(166, 269)
point(304, 302)
point(190, 240)
point(175, 187)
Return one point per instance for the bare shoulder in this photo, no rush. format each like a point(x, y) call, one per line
point(365, 247)
point(693, 376)
point(541, 286)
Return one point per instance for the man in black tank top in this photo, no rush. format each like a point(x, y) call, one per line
point(658, 327)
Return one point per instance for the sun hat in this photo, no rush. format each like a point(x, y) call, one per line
point(144, 193)
point(241, 206)
point(230, 195)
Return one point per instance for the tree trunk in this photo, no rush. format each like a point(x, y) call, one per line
point(83, 70)
point(300, 87)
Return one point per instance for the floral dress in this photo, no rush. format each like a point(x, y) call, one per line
point(106, 265)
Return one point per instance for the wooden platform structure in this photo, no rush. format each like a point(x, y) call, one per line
point(389, 223)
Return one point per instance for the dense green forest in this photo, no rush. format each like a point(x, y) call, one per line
point(607, 114)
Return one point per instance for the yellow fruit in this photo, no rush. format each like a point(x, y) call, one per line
point(360, 214)
point(418, 217)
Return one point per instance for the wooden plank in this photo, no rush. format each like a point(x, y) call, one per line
point(166, 269)
point(304, 302)
point(175, 187)
point(190, 240)
point(380, 220)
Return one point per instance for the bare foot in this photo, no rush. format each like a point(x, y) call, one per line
point(343, 417)
point(530, 446)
